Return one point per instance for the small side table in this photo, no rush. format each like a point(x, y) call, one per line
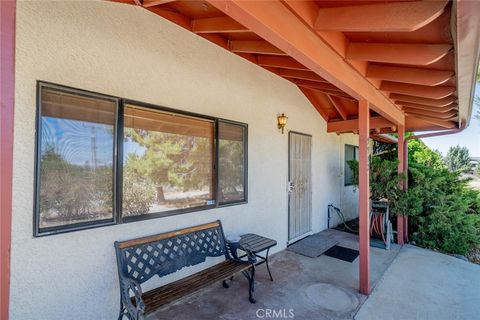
point(256, 244)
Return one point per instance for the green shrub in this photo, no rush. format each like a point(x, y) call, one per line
point(444, 212)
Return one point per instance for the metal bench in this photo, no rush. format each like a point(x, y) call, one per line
point(140, 259)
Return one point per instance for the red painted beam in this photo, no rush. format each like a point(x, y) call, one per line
point(353, 125)
point(409, 75)
point(217, 25)
point(280, 62)
point(400, 53)
point(364, 196)
point(381, 17)
point(7, 94)
point(402, 98)
point(430, 92)
point(259, 47)
point(152, 3)
point(277, 24)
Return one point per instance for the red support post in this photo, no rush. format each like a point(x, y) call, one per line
point(405, 186)
point(364, 196)
point(7, 93)
point(401, 169)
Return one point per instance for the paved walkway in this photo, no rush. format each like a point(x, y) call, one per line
point(422, 284)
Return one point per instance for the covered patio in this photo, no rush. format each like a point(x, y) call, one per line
point(435, 287)
point(341, 72)
point(303, 288)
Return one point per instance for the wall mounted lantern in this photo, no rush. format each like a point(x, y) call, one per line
point(282, 121)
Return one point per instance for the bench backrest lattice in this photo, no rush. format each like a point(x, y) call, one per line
point(162, 254)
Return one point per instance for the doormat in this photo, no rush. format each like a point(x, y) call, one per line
point(342, 253)
point(313, 246)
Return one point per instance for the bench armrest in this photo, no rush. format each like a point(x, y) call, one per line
point(128, 285)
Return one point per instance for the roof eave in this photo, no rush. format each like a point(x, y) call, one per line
point(466, 35)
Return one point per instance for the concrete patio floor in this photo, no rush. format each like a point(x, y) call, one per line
point(408, 283)
point(313, 288)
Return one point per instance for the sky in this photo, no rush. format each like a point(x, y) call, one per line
point(469, 137)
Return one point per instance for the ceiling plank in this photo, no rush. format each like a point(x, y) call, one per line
point(352, 125)
point(409, 75)
point(268, 20)
point(338, 106)
point(402, 98)
point(152, 3)
point(401, 53)
point(437, 92)
point(280, 62)
point(383, 17)
point(258, 47)
point(217, 25)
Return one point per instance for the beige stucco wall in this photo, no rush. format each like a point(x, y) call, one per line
point(126, 51)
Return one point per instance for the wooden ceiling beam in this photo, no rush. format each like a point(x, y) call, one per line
point(437, 92)
point(352, 125)
point(153, 3)
point(402, 98)
point(338, 106)
point(338, 94)
point(313, 98)
point(268, 20)
point(434, 115)
point(300, 74)
point(383, 17)
point(400, 53)
point(440, 123)
point(409, 75)
point(173, 16)
point(280, 62)
point(217, 25)
point(258, 47)
point(429, 108)
point(316, 85)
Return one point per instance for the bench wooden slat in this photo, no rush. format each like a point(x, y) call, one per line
point(155, 298)
point(171, 234)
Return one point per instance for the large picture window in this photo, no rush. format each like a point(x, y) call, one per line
point(75, 159)
point(103, 160)
point(168, 161)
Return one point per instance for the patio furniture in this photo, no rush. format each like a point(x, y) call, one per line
point(140, 259)
point(255, 244)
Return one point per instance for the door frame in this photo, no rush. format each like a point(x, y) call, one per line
point(290, 241)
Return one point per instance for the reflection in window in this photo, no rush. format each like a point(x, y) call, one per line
point(231, 175)
point(167, 161)
point(76, 158)
point(351, 154)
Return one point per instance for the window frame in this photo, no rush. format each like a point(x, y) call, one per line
point(118, 151)
point(245, 162)
point(355, 149)
point(37, 230)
